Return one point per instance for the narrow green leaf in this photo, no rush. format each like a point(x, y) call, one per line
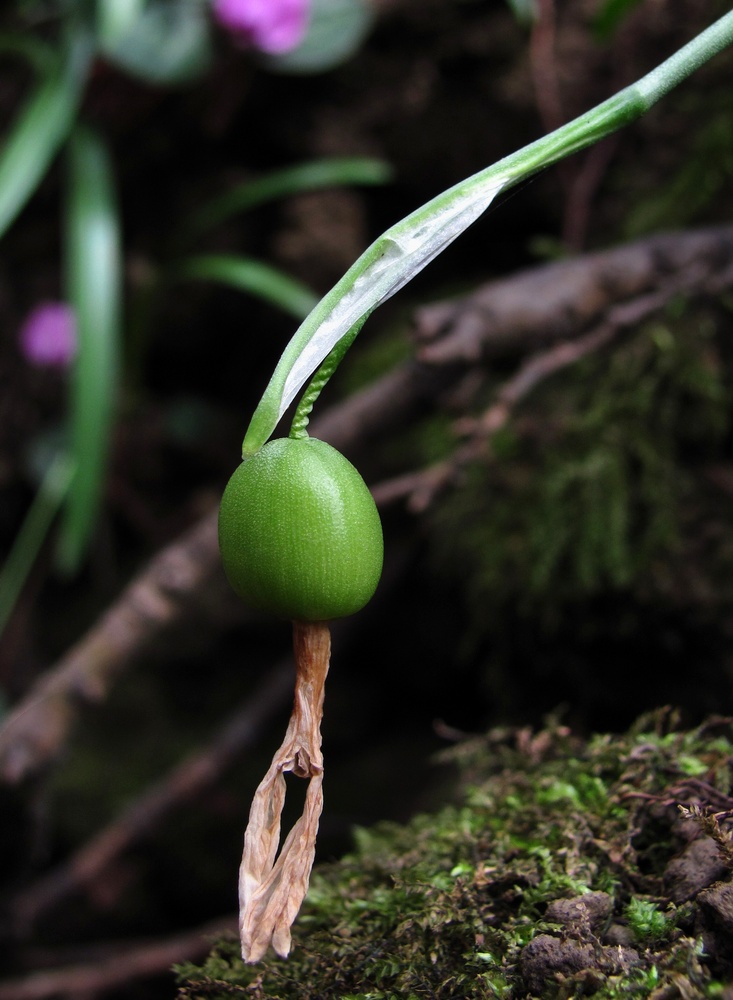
point(381, 271)
point(54, 487)
point(310, 176)
point(93, 277)
point(252, 276)
point(40, 128)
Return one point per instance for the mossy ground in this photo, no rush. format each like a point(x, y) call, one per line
point(565, 869)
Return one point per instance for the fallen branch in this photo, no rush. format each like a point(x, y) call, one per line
point(420, 487)
point(560, 301)
point(194, 774)
point(38, 727)
point(120, 965)
point(542, 306)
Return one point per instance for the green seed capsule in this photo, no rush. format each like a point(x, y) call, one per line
point(299, 532)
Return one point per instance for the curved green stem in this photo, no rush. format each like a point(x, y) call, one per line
point(402, 251)
point(298, 428)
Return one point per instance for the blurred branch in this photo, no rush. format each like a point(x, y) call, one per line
point(187, 780)
point(544, 68)
point(118, 965)
point(37, 729)
point(533, 311)
point(420, 487)
point(709, 273)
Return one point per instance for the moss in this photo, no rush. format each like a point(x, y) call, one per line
point(604, 490)
point(463, 903)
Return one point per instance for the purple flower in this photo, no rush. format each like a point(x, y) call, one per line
point(48, 335)
point(272, 26)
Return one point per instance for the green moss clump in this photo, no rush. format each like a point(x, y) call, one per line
point(552, 869)
point(604, 488)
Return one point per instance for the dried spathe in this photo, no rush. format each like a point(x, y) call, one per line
point(271, 886)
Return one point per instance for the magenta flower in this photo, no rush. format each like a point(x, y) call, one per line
point(48, 335)
point(272, 26)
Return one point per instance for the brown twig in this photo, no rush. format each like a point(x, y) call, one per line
point(580, 177)
point(420, 487)
point(121, 965)
point(543, 68)
point(582, 187)
point(559, 301)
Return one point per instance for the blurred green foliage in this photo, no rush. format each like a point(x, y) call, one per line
point(165, 43)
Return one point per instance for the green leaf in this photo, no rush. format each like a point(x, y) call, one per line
point(337, 29)
point(254, 277)
point(54, 487)
point(40, 128)
point(310, 176)
point(383, 269)
point(93, 276)
point(168, 43)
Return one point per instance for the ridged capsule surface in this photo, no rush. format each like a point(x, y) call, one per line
point(299, 532)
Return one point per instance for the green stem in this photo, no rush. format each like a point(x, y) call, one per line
point(402, 251)
point(301, 419)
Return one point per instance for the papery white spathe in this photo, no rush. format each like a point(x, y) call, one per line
point(381, 271)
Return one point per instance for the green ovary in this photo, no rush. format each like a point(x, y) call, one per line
point(299, 532)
